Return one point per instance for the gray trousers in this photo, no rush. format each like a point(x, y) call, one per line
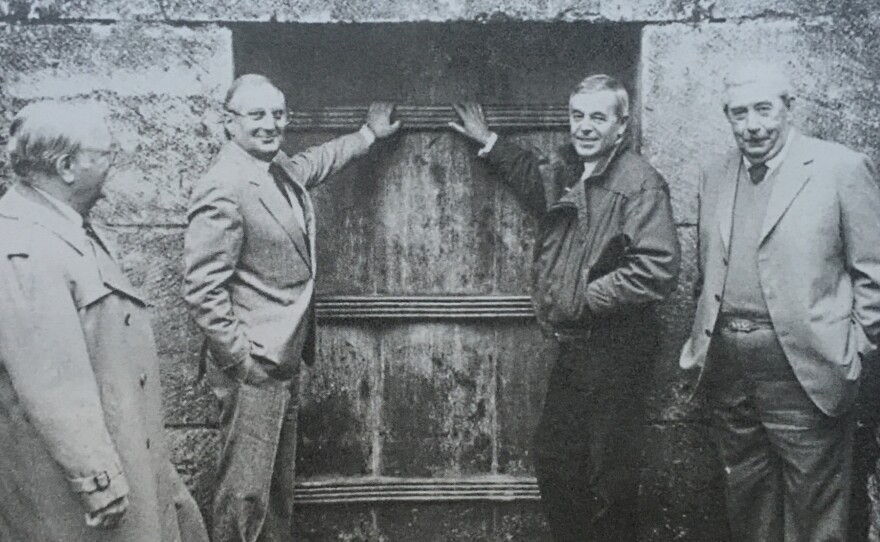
point(253, 500)
point(787, 465)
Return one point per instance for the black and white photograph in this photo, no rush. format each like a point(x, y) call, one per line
point(407, 270)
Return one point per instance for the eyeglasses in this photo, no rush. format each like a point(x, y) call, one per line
point(113, 152)
point(256, 115)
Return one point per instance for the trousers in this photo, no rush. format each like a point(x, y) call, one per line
point(787, 465)
point(589, 438)
point(253, 500)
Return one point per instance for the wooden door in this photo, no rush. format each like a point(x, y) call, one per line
point(416, 421)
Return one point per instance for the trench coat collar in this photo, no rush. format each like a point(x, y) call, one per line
point(30, 205)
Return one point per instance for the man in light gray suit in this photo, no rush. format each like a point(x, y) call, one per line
point(249, 281)
point(789, 307)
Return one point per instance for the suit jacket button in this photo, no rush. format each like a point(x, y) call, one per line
point(708, 332)
point(143, 380)
point(717, 297)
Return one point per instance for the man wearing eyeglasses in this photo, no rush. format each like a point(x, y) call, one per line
point(249, 282)
point(788, 312)
point(83, 451)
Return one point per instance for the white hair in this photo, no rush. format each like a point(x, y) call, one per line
point(754, 71)
point(43, 132)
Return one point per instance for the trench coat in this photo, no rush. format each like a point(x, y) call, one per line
point(80, 402)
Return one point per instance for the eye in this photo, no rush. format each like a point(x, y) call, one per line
point(578, 116)
point(598, 118)
point(256, 115)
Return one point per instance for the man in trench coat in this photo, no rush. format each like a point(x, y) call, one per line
point(83, 453)
point(249, 282)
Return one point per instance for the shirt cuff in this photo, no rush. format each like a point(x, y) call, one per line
point(487, 148)
point(368, 134)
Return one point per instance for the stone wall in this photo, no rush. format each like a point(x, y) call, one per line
point(162, 67)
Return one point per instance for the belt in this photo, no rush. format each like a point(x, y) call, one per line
point(736, 324)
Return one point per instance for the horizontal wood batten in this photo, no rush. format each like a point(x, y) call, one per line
point(391, 490)
point(431, 117)
point(422, 307)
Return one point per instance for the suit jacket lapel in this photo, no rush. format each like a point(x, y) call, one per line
point(308, 209)
point(726, 196)
point(280, 211)
point(790, 179)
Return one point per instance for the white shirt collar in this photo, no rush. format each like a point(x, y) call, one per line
point(250, 159)
point(66, 210)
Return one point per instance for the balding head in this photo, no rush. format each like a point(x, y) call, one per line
point(64, 149)
point(43, 132)
point(256, 116)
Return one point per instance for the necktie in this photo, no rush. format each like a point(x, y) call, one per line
point(280, 181)
point(757, 172)
point(91, 234)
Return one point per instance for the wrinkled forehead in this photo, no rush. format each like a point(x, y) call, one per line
point(257, 96)
point(754, 92)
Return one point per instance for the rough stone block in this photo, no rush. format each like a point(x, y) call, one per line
point(162, 86)
point(152, 259)
point(671, 388)
point(55, 10)
point(340, 11)
point(683, 123)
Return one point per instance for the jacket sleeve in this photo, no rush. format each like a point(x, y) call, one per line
point(651, 262)
point(212, 247)
point(314, 165)
point(521, 170)
point(43, 349)
point(859, 196)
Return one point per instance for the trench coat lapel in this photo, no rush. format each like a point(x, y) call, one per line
point(29, 205)
point(793, 174)
point(726, 197)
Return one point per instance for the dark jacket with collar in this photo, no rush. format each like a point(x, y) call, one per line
point(607, 245)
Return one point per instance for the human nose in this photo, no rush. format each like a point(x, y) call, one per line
point(584, 126)
point(753, 122)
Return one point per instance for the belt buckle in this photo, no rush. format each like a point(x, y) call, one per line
point(740, 325)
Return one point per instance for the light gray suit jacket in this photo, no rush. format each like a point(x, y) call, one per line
point(818, 264)
point(250, 270)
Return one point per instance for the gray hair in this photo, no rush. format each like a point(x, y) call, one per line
point(754, 71)
point(601, 82)
point(43, 132)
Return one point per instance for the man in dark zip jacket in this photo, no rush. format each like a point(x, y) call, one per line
point(607, 253)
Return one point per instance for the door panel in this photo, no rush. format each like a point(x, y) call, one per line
point(416, 422)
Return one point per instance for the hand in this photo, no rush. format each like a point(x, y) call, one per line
point(248, 372)
point(473, 122)
point(379, 119)
point(109, 516)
